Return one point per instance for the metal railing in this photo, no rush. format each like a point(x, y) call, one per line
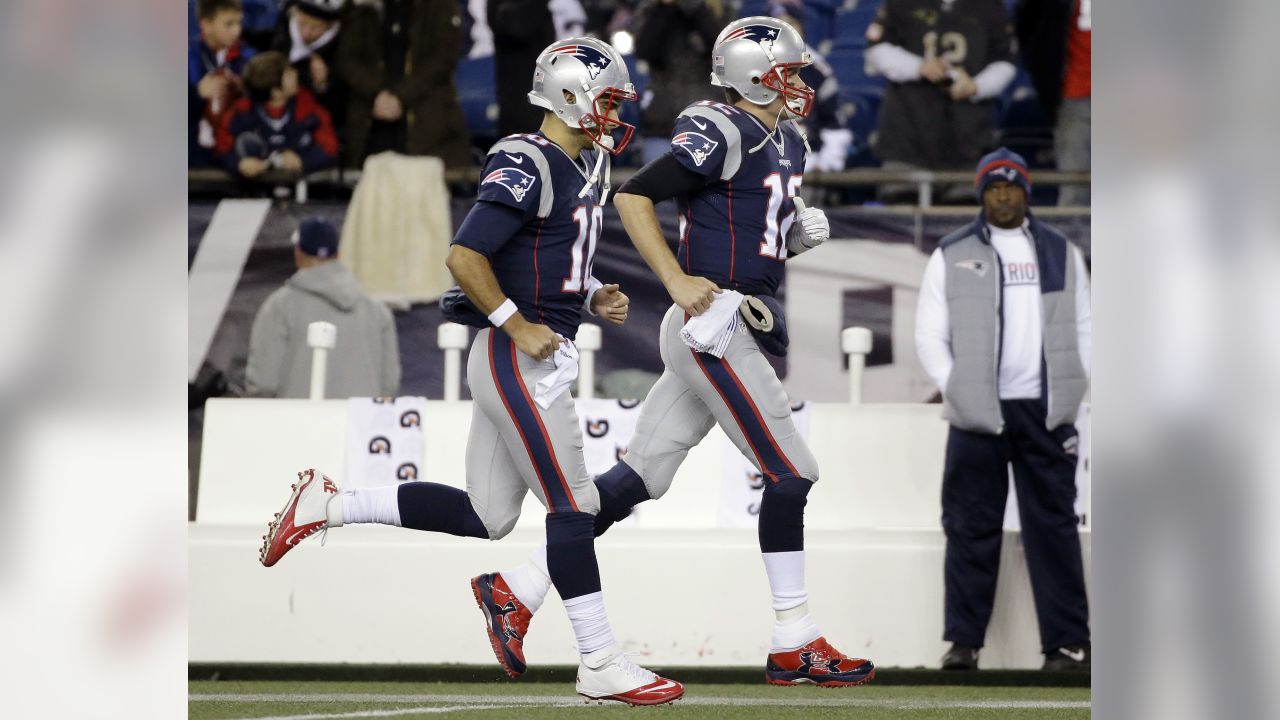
point(924, 180)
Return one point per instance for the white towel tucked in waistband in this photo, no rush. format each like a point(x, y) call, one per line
point(711, 331)
point(557, 381)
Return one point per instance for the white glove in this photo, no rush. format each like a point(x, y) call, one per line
point(810, 230)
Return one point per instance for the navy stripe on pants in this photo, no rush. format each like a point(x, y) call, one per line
point(515, 397)
point(974, 492)
point(773, 464)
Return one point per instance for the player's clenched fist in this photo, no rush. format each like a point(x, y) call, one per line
point(611, 304)
point(537, 341)
point(692, 294)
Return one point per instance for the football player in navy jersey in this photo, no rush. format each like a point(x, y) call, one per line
point(523, 259)
point(735, 170)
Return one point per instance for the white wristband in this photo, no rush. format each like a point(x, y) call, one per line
point(503, 313)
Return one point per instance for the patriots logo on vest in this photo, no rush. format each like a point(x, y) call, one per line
point(762, 34)
point(407, 471)
point(379, 445)
point(698, 146)
point(595, 60)
point(976, 266)
point(517, 181)
point(410, 418)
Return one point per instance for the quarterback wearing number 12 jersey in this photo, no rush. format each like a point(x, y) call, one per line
point(734, 230)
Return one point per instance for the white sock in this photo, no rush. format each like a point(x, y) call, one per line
point(794, 632)
point(369, 505)
point(590, 624)
point(531, 581)
point(786, 580)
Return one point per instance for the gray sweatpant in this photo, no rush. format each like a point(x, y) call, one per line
point(516, 446)
point(740, 391)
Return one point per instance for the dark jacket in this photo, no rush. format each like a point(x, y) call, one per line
point(675, 40)
point(433, 116)
point(334, 97)
point(521, 30)
point(1042, 27)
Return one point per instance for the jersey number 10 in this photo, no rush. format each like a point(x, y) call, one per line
point(589, 219)
point(775, 227)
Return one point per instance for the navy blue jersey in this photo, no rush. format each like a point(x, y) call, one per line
point(734, 230)
point(545, 266)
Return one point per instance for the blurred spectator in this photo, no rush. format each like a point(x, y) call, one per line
point(828, 125)
point(279, 126)
point(215, 60)
point(674, 37)
point(521, 29)
point(1056, 37)
point(568, 18)
point(1004, 329)
point(261, 17)
point(397, 59)
point(946, 61)
point(308, 34)
point(366, 360)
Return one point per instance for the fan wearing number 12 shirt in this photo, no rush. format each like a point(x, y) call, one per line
point(734, 169)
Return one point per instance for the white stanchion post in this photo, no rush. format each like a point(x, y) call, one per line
point(856, 343)
point(588, 343)
point(321, 338)
point(452, 339)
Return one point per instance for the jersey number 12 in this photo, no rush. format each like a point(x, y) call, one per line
point(774, 244)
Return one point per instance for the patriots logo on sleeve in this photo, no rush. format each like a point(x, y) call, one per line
point(762, 34)
point(593, 59)
point(698, 146)
point(517, 181)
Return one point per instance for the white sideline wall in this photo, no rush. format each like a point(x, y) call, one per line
point(679, 590)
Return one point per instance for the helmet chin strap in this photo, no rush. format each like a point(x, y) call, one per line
point(603, 158)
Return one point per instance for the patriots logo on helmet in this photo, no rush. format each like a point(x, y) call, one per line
point(517, 181)
point(762, 34)
point(698, 146)
point(595, 60)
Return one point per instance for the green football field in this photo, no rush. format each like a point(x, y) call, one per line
point(227, 700)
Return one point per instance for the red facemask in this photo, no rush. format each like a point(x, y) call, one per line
point(778, 79)
point(603, 125)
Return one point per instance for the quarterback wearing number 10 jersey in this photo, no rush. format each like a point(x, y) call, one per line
point(734, 230)
point(545, 267)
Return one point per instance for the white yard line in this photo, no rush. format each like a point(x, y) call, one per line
point(473, 702)
point(383, 713)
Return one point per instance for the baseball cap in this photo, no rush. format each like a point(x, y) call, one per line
point(317, 237)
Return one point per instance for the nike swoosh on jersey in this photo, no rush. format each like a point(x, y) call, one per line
point(514, 158)
point(701, 126)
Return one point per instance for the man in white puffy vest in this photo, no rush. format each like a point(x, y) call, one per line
point(1003, 328)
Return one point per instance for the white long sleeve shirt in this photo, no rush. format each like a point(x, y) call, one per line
point(901, 65)
point(1022, 338)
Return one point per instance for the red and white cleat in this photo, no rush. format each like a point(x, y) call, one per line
point(304, 515)
point(609, 675)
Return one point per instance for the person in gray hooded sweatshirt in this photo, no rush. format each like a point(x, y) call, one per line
point(366, 361)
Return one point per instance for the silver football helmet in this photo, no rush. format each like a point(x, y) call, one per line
point(597, 77)
point(757, 57)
